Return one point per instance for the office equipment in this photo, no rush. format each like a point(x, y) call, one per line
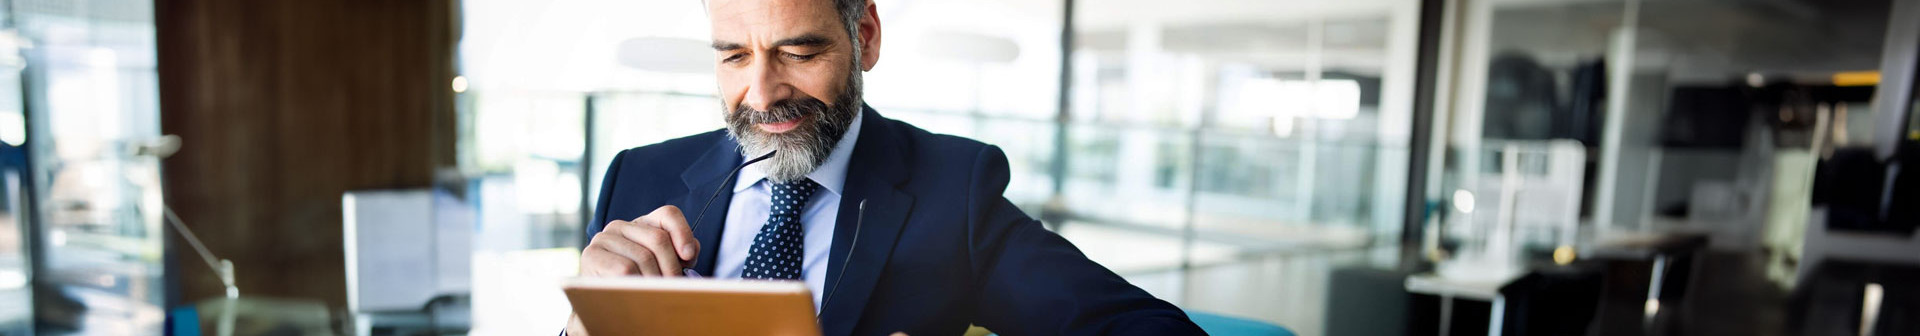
point(222, 267)
point(161, 148)
point(1533, 197)
point(669, 306)
point(408, 255)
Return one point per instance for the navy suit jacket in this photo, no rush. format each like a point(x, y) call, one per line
point(938, 247)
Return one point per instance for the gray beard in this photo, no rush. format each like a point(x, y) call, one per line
point(804, 148)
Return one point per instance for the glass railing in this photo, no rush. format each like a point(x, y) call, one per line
point(1256, 191)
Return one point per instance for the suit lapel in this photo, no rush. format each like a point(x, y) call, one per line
point(703, 178)
point(874, 174)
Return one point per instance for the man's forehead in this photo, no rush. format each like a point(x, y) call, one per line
point(769, 23)
point(720, 10)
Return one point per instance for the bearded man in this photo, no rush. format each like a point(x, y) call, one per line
point(893, 228)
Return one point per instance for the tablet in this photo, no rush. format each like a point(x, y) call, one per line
point(687, 306)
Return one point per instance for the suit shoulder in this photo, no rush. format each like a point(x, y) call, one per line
point(682, 148)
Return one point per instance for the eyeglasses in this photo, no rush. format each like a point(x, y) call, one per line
point(702, 215)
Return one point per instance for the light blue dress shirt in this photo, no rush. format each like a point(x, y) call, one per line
point(752, 199)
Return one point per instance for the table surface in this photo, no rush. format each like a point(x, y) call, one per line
point(1640, 245)
point(1434, 284)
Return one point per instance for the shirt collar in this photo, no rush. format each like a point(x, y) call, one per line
point(831, 175)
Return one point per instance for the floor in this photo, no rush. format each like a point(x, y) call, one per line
point(1731, 296)
point(1288, 289)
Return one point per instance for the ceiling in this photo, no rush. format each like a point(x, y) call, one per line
point(1709, 38)
point(1695, 38)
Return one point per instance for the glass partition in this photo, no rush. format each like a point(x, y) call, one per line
point(91, 83)
point(1687, 111)
point(1269, 140)
point(16, 248)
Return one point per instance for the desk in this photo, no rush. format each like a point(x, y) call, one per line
point(1450, 289)
point(1659, 261)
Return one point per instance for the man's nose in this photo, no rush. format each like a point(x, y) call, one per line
point(766, 85)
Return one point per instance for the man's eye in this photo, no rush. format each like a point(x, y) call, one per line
point(799, 57)
point(734, 58)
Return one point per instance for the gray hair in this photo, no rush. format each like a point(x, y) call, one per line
point(851, 11)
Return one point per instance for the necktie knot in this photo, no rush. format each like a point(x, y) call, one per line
point(791, 196)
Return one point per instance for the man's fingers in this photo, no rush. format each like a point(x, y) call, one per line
point(645, 263)
point(658, 247)
point(670, 219)
point(605, 265)
point(622, 251)
point(658, 244)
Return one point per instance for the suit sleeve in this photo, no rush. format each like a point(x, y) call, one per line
point(606, 197)
point(1033, 282)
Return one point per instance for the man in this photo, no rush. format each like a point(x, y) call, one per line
point(895, 229)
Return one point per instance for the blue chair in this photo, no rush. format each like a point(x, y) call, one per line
point(183, 321)
point(1220, 325)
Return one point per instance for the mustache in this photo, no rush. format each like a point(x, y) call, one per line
point(780, 111)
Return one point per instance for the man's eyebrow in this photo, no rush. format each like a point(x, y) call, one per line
point(808, 40)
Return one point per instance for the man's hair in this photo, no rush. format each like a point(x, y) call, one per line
point(851, 11)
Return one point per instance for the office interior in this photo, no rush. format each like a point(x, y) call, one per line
point(1283, 167)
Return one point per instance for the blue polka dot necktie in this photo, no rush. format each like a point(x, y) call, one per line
point(776, 249)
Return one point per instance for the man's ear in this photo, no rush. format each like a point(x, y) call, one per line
point(869, 27)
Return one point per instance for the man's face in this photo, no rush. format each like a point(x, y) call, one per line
point(788, 79)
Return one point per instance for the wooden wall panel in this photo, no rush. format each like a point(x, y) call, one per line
point(281, 107)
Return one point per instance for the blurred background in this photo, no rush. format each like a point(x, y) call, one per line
point(1275, 167)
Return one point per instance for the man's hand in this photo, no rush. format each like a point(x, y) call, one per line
point(574, 328)
point(657, 244)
